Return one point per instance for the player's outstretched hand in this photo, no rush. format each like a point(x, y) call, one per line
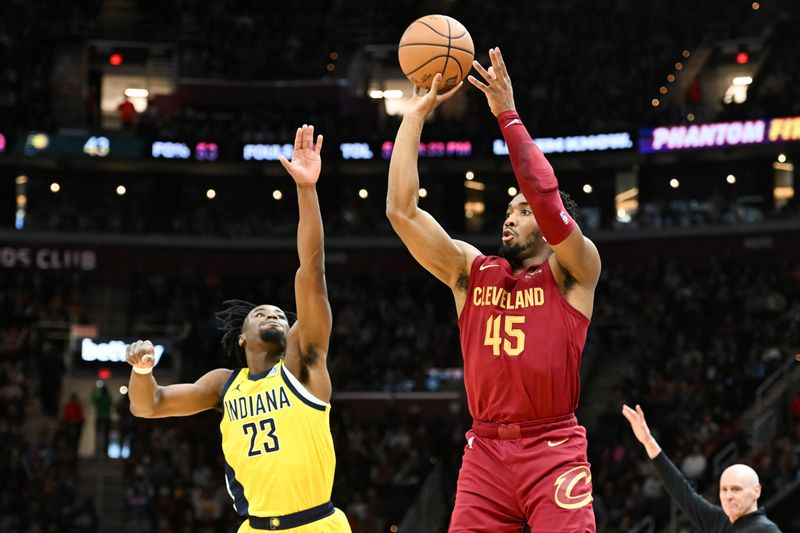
point(141, 354)
point(497, 88)
point(306, 162)
point(423, 105)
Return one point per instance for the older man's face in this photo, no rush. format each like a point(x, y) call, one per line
point(739, 491)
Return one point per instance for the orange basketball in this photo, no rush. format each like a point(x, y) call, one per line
point(436, 43)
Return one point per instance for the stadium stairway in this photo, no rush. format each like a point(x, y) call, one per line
point(597, 390)
point(37, 423)
point(430, 509)
point(101, 479)
point(762, 420)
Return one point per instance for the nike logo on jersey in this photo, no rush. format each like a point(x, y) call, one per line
point(515, 121)
point(553, 444)
point(237, 387)
point(484, 267)
point(469, 442)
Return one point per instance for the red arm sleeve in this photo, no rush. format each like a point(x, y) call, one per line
point(536, 179)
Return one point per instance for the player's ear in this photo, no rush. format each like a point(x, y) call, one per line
point(241, 340)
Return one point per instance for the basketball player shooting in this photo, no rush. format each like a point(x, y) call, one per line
point(523, 315)
point(275, 428)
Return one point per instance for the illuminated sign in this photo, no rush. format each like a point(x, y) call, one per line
point(35, 143)
point(715, 135)
point(48, 259)
point(111, 351)
point(578, 143)
point(170, 150)
point(356, 151)
point(97, 146)
point(434, 149)
point(719, 135)
point(267, 152)
point(784, 129)
point(2, 143)
point(80, 144)
point(204, 151)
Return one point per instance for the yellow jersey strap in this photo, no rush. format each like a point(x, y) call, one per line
point(299, 390)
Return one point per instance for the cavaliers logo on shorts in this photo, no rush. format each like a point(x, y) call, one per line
point(574, 488)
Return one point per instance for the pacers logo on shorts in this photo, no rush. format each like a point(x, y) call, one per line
point(574, 488)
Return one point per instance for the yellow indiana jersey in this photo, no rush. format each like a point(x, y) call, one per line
point(277, 443)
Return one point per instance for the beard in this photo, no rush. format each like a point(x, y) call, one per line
point(510, 253)
point(273, 335)
point(515, 253)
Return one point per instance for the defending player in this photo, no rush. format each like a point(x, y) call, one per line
point(275, 412)
point(523, 316)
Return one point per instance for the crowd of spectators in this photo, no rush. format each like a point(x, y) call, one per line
point(375, 342)
point(774, 92)
point(245, 207)
point(698, 340)
point(577, 68)
point(30, 33)
point(38, 465)
point(573, 71)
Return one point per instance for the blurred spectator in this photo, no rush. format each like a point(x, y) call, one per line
point(694, 465)
point(51, 370)
point(101, 399)
point(127, 113)
point(73, 419)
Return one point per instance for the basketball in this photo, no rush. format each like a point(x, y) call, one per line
point(436, 43)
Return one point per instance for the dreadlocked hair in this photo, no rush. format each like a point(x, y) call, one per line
point(569, 204)
point(230, 320)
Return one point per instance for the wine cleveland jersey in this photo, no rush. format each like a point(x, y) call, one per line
point(522, 344)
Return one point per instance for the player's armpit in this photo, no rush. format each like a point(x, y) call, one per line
point(309, 364)
point(580, 257)
point(185, 399)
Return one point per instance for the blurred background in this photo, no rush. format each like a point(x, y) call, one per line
point(139, 188)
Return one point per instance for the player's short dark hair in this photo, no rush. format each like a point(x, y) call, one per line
point(569, 204)
point(230, 320)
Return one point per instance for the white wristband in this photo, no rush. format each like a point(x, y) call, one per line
point(145, 370)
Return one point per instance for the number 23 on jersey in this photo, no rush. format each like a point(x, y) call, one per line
point(262, 437)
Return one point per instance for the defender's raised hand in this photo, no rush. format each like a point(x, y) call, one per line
point(423, 105)
point(306, 162)
point(497, 88)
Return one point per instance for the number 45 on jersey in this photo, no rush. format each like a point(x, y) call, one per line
point(512, 340)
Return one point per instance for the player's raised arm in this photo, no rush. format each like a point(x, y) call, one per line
point(314, 319)
point(149, 400)
point(536, 178)
point(424, 237)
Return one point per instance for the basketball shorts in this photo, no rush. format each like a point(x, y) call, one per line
point(533, 472)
